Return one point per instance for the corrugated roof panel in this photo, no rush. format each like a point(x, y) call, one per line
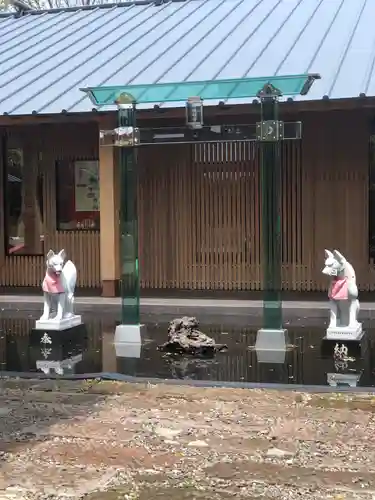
point(357, 54)
point(216, 51)
point(39, 76)
point(19, 24)
point(109, 46)
point(157, 45)
point(180, 42)
point(27, 53)
point(45, 58)
point(285, 29)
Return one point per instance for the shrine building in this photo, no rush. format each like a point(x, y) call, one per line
point(199, 204)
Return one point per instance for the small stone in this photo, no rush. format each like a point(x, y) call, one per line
point(170, 441)
point(166, 433)
point(198, 444)
point(277, 453)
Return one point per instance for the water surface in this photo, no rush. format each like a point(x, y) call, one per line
point(92, 350)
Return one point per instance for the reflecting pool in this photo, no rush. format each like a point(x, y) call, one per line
point(92, 350)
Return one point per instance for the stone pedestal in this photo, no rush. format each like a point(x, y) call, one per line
point(341, 333)
point(58, 325)
point(57, 351)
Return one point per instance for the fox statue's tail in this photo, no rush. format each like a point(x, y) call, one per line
point(69, 273)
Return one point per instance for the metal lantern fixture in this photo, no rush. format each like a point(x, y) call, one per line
point(194, 113)
point(123, 137)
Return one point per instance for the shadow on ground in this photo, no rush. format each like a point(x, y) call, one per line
point(104, 440)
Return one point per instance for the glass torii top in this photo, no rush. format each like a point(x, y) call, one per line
point(235, 88)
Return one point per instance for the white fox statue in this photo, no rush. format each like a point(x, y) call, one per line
point(343, 296)
point(58, 288)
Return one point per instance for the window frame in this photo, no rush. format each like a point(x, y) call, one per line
point(6, 211)
point(70, 162)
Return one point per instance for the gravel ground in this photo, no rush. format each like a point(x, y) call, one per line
point(111, 441)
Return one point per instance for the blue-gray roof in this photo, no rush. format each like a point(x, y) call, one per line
point(46, 57)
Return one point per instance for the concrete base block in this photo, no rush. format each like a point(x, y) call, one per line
point(129, 334)
point(128, 350)
point(270, 345)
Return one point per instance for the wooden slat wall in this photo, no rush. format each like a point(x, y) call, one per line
point(335, 194)
point(228, 246)
point(56, 142)
point(199, 209)
point(200, 220)
point(200, 225)
point(292, 209)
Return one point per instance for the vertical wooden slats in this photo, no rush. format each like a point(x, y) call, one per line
point(291, 214)
point(335, 180)
point(82, 249)
point(194, 216)
point(254, 248)
point(205, 216)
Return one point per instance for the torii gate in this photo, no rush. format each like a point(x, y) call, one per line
point(269, 132)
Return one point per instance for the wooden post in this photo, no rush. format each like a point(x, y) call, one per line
point(109, 222)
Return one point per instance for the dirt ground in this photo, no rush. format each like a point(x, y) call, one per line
point(110, 441)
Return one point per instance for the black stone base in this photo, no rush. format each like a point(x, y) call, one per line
point(64, 344)
point(356, 348)
point(69, 335)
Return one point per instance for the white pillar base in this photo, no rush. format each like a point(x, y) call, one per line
point(270, 345)
point(128, 350)
point(129, 334)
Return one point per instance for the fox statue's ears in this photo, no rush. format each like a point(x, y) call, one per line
point(334, 255)
point(328, 254)
point(338, 256)
point(62, 254)
point(50, 254)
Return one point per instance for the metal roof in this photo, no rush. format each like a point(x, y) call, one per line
point(47, 56)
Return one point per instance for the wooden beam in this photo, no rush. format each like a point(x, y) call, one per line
point(210, 112)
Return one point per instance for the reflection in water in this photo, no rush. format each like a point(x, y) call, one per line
point(90, 349)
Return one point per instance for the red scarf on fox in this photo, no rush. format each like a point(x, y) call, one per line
point(338, 289)
point(52, 284)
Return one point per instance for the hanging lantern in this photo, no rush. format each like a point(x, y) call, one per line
point(194, 113)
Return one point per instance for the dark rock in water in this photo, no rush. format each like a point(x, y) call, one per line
point(184, 337)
